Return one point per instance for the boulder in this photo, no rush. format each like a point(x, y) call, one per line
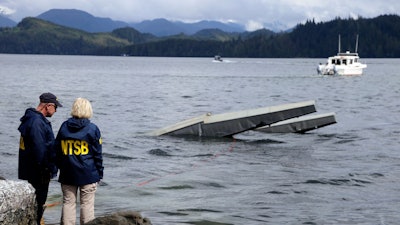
point(17, 203)
point(121, 218)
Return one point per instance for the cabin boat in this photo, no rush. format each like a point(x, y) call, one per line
point(344, 63)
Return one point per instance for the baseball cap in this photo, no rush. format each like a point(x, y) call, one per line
point(49, 98)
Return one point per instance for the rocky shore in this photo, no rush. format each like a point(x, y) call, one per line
point(17, 203)
point(18, 207)
point(121, 218)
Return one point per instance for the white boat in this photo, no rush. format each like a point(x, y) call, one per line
point(218, 58)
point(344, 63)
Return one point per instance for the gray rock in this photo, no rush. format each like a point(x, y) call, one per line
point(121, 218)
point(17, 203)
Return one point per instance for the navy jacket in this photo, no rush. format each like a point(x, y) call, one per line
point(36, 152)
point(79, 152)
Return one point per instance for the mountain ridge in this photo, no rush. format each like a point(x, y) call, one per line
point(6, 22)
point(81, 20)
point(159, 27)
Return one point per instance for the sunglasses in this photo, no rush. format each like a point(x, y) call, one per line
point(55, 106)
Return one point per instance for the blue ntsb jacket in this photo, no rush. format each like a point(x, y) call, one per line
point(36, 152)
point(79, 152)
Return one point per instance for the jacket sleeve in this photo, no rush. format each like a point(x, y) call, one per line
point(57, 149)
point(98, 153)
point(39, 142)
point(55, 155)
point(42, 138)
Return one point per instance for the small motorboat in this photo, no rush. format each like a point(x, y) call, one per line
point(218, 58)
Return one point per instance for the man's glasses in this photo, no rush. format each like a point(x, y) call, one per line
point(55, 106)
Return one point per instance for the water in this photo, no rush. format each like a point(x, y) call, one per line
point(347, 173)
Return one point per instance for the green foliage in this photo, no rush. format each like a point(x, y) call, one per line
point(378, 37)
point(132, 35)
point(175, 47)
point(35, 36)
point(215, 34)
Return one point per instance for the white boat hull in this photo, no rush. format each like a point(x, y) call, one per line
point(352, 70)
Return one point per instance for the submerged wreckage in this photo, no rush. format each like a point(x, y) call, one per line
point(275, 119)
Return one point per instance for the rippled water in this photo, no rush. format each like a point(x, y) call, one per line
point(347, 173)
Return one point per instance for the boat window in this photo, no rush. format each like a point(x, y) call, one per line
point(344, 62)
point(351, 61)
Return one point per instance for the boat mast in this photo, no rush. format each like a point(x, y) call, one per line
point(357, 43)
point(339, 45)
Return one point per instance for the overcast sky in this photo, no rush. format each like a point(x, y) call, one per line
point(252, 13)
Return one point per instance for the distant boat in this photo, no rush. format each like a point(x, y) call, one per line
point(344, 63)
point(218, 58)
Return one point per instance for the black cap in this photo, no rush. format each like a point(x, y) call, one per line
point(49, 98)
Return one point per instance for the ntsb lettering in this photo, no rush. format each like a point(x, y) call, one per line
point(21, 143)
point(74, 147)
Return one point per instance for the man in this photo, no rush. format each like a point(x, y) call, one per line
point(36, 154)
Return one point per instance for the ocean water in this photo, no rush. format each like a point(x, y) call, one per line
point(346, 173)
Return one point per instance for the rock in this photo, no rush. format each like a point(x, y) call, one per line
point(121, 218)
point(17, 203)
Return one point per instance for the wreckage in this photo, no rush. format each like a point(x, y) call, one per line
point(281, 119)
point(301, 124)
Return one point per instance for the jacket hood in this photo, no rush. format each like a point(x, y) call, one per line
point(30, 113)
point(75, 124)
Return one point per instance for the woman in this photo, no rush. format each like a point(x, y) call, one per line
point(79, 158)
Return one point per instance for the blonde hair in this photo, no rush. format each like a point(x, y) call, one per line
point(82, 109)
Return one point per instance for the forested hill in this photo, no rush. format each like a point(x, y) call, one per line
point(378, 38)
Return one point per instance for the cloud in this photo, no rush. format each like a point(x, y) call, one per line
point(6, 11)
point(253, 25)
point(251, 13)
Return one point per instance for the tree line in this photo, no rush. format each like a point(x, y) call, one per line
point(378, 38)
